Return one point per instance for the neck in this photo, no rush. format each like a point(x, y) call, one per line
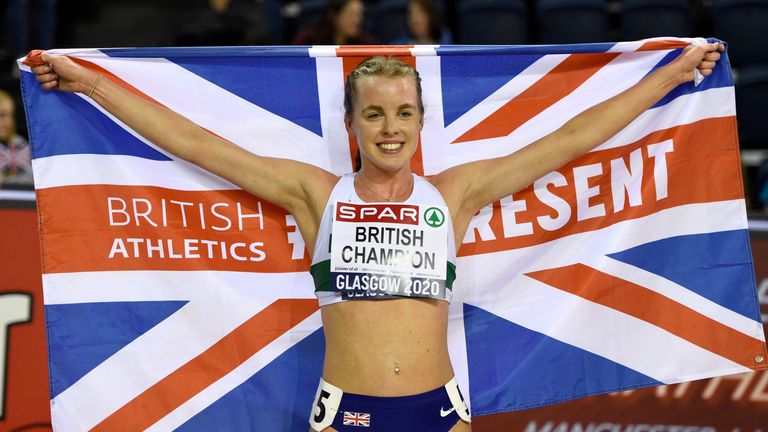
point(383, 186)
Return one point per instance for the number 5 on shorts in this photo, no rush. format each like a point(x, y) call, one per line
point(326, 405)
point(320, 406)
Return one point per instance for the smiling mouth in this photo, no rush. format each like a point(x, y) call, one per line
point(390, 147)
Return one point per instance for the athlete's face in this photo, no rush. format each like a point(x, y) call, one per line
point(386, 121)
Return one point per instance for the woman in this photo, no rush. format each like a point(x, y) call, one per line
point(424, 23)
point(14, 149)
point(384, 357)
point(340, 24)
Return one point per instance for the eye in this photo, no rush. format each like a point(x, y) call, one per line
point(372, 115)
point(406, 114)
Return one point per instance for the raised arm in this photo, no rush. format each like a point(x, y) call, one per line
point(469, 187)
point(294, 186)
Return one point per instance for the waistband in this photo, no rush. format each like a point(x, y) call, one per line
point(388, 401)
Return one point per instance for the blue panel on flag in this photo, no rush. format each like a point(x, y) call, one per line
point(292, 91)
point(276, 399)
point(719, 78)
point(704, 264)
point(81, 336)
point(468, 80)
point(511, 367)
point(63, 123)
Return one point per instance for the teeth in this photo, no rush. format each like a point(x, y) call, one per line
point(390, 146)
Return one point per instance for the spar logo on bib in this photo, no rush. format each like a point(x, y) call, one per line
point(434, 217)
point(379, 213)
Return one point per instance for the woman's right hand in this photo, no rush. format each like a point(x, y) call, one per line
point(60, 72)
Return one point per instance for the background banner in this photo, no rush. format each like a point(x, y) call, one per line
point(24, 396)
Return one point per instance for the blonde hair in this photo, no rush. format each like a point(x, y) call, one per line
point(378, 66)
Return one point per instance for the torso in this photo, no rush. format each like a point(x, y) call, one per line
point(366, 340)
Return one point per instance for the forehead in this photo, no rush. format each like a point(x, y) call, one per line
point(354, 5)
point(6, 105)
point(415, 7)
point(385, 91)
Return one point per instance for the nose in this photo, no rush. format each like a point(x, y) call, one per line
point(391, 126)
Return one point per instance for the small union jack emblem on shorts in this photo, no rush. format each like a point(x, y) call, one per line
point(357, 419)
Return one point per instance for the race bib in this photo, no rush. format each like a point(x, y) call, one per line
point(389, 249)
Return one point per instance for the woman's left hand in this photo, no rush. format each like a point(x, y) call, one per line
point(702, 57)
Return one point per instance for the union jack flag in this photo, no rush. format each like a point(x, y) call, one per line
point(357, 419)
point(15, 157)
point(176, 301)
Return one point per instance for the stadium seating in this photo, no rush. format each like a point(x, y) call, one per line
point(116, 26)
point(744, 25)
point(273, 17)
point(751, 107)
point(311, 10)
point(642, 19)
point(492, 22)
point(388, 19)
point(572, 21)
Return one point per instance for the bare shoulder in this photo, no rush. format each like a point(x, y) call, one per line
point(309, 189)
point(315, 183)
point(453, 185)
point(288, 183)
point(305, 172)
point(319, 185)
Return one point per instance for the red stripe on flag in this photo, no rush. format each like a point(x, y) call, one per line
point(210, 366)
point(704, 167)
point(657, 45)
point(110, 227)
point(550, 88)
point(656, 309)
point(361, 52)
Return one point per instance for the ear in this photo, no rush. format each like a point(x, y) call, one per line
point(348, 125)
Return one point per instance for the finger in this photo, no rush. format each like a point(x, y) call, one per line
point(50, 85)
point(706, 72)
point(43, 78)
point(714, 47)
point(33, 58)
point(42, 69)
point(720, 47)
point(712, 56)
point(706, 65)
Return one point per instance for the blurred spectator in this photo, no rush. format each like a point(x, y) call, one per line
point(15, 162)
point(224, 22)
point(425, 25)
point(17, 21)
point(340, 24)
